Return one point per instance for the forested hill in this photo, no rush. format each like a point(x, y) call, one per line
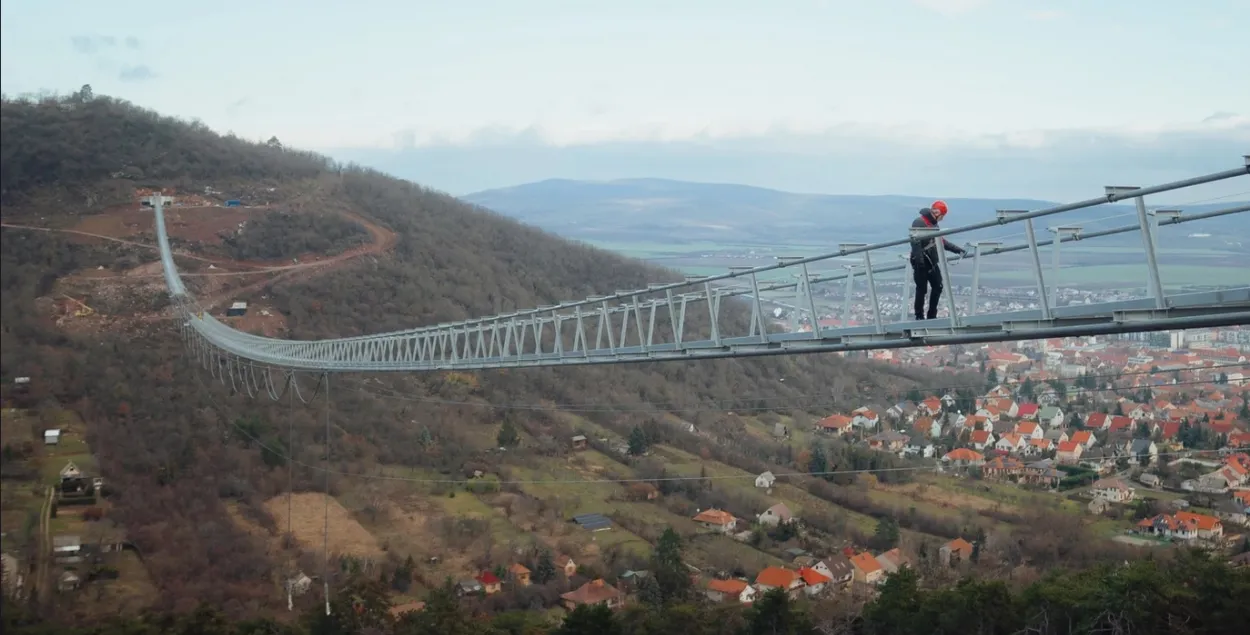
point(167, 437)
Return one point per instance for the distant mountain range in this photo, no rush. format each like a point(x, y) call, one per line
point(664, 211)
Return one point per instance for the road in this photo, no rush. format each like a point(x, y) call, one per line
point(381, 240)
point(43, 551)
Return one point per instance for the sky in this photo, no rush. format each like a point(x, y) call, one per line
point(961, 97)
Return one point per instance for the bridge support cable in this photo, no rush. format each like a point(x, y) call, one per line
point(326, 536)
point(694, 309)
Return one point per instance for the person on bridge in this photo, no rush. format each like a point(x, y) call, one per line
point(926, 268)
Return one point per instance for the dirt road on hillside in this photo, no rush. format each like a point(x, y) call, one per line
point(381, 240)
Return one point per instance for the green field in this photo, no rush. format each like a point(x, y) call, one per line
point(687, 258)
point(1132, 276)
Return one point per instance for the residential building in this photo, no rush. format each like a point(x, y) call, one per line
point(1112, 490)
point(1183, 526)
point(892, 560)
point(593, 593)
point(1050, 416)
point(776, 515)
point(867, 569)
point(566, 564)
point(489, 581)
point(963, 457)
point(765, 480)
point(716, 520)
point(1069, 453)
point(835, 424)
point(779, 578)
point(954, 552)
point(838, 569)
point(814, 582)
point(735, 590)
point(519, 574)
point(864, 418)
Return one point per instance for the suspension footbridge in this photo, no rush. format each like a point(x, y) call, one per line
point(689, 319)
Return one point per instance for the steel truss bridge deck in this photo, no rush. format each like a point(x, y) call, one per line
point(685, 320)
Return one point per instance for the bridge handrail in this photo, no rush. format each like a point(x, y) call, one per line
point(186, 301)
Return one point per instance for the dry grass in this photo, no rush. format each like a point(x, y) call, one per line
point(308, 524)
point(947, 499)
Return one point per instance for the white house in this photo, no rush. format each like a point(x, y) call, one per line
point(765, 480)
point(814, 582)
point(864, 418)
point(1113, 490)
point(716, 520)
point(1030, 430)
point(1010, 442)
point(51, 437)
point(776, 515)
point(1050, 416)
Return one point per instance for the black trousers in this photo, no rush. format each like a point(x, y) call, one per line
point(926, 275)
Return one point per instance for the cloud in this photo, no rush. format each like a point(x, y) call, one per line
point(236, 107)
point(1045, 15)
point(1068, 164)
point(951, 7)
point(92, 44)
point(136, 73)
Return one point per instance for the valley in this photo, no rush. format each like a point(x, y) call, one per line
point(451, 489)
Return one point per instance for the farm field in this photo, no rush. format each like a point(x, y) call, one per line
point(1181, 266)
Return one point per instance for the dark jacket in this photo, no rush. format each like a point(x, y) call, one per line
point(923, 251)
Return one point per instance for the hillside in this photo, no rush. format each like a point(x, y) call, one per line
point(193, 492)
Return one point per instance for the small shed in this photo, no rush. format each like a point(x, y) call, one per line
point(52, 437)
point(593, 522)
point(579, 442)
point(234, 202)
point(237, 309)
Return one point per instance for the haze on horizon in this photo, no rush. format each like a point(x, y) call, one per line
point(988, 98)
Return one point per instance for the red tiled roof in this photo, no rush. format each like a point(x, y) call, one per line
point(731, 587)
point(486, 577)
point(593, 592)
point(865, 562)
point(715, 517)
point(776, 577)
point(812, 577)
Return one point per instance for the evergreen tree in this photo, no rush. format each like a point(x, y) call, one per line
point(774, 614)
point(818, 463)
point(668, 569)
point(589, 620)
point(637, 442)
point(508, 436)
point(887, 534)
point(545, 570)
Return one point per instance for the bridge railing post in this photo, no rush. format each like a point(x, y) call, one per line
point(1148, 241)
point(846, 300)
point(1061, 232)
point(906, 258)
point(811, 302)
point(872, 283)
point(1155, 215)
point(978, 249)
point(1042, 298)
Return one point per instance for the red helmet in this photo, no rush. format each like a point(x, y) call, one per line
point(939, 208)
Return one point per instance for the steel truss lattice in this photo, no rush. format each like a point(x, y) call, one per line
point(685, 320)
